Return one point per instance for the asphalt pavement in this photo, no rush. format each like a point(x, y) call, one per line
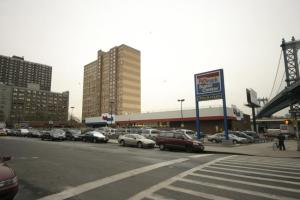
point(78, 171)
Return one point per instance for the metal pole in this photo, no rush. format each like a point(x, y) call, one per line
point(224, 106)
point(197, 112)
point(254, 119)
point(181, 100)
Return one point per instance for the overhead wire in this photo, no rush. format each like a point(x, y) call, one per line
point(280, 83)
point(276, 74)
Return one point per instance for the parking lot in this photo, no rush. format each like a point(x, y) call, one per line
point(76, 170)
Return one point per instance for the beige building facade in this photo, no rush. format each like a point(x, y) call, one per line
point(112, 83)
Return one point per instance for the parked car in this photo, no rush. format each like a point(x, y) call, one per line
point(94, 136)
point(135, 140)
point(8, 180)
point(217, 137)
point(150, 133)
point(249, 139)
point(178, 140)
point(54, 134)
point(3, 132)
point(23, 132)
point(34, 133)
point(73, 134)
point(252, 134)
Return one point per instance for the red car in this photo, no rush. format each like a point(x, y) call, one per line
point(8, 180)
point(178, 140)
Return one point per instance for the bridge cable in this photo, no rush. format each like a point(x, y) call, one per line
point(276, 74)
point(280, 83)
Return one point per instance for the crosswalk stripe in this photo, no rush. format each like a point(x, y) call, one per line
point(257, 165)
point(268, 170)
point(153, 189)
point(247, 183)
point(195, 193)
point(283, 161)
point(244, 191)
point(250, 177)
point(262, 165)
point(252, 172)
point(265, 164)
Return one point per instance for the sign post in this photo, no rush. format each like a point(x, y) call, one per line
point(210, 86)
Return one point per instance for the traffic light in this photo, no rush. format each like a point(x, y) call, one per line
point(286, 122)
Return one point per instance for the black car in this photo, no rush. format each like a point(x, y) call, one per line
point(94, 136)
point(54, 134)
point(73, 134)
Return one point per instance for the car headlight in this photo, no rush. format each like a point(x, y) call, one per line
point(196, 143)
point(9, 182)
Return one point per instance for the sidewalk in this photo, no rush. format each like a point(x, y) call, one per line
point(259, 149)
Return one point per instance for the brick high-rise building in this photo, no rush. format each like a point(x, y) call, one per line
point(15, 71)
point(25, 94)
point(112, 83)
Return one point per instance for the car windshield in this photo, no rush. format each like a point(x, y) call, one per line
point(98, 134)
point(139, 137)
point(186, 136)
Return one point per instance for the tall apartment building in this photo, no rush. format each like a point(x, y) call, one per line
point(25, 93)
point(112, 83)
point(16, 71)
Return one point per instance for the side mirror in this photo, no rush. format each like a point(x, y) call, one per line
point(6, 158)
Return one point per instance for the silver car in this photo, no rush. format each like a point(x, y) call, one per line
point(135, 140)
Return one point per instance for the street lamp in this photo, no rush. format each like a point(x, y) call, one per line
point(181, 100)
point(111, 118)
point(71, 118)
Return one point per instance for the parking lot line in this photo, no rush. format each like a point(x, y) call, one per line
point(104, 181)
point(149, 192)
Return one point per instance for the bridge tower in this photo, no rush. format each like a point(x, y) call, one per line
point(290, 50)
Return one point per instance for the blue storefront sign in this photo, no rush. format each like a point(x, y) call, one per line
point(210, 86)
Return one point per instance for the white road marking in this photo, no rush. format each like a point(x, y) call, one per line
point(272, 161)
point(151, 190)
point(231, 189)
point(159, 197)
point(198, 156)
point(104, 181)
point(252, 172)
point(251, 177)
point(195, 193)
point(247, 183)
point(255, 168)
point(263, 165)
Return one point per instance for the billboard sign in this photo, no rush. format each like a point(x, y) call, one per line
point(252, 97)
point(208, 85)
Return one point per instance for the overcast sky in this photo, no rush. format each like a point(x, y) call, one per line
point(177, 39)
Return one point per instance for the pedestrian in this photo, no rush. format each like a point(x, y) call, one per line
point(281, 139)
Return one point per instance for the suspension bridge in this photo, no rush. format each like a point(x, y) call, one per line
point(289, 96)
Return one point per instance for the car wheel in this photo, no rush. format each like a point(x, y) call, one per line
point(215, 141)
point(83, 140)
point(234, 141)
point(122, 143)
point(162, 147)
point(140, 145)
point(42, 138)
point(94, 140)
